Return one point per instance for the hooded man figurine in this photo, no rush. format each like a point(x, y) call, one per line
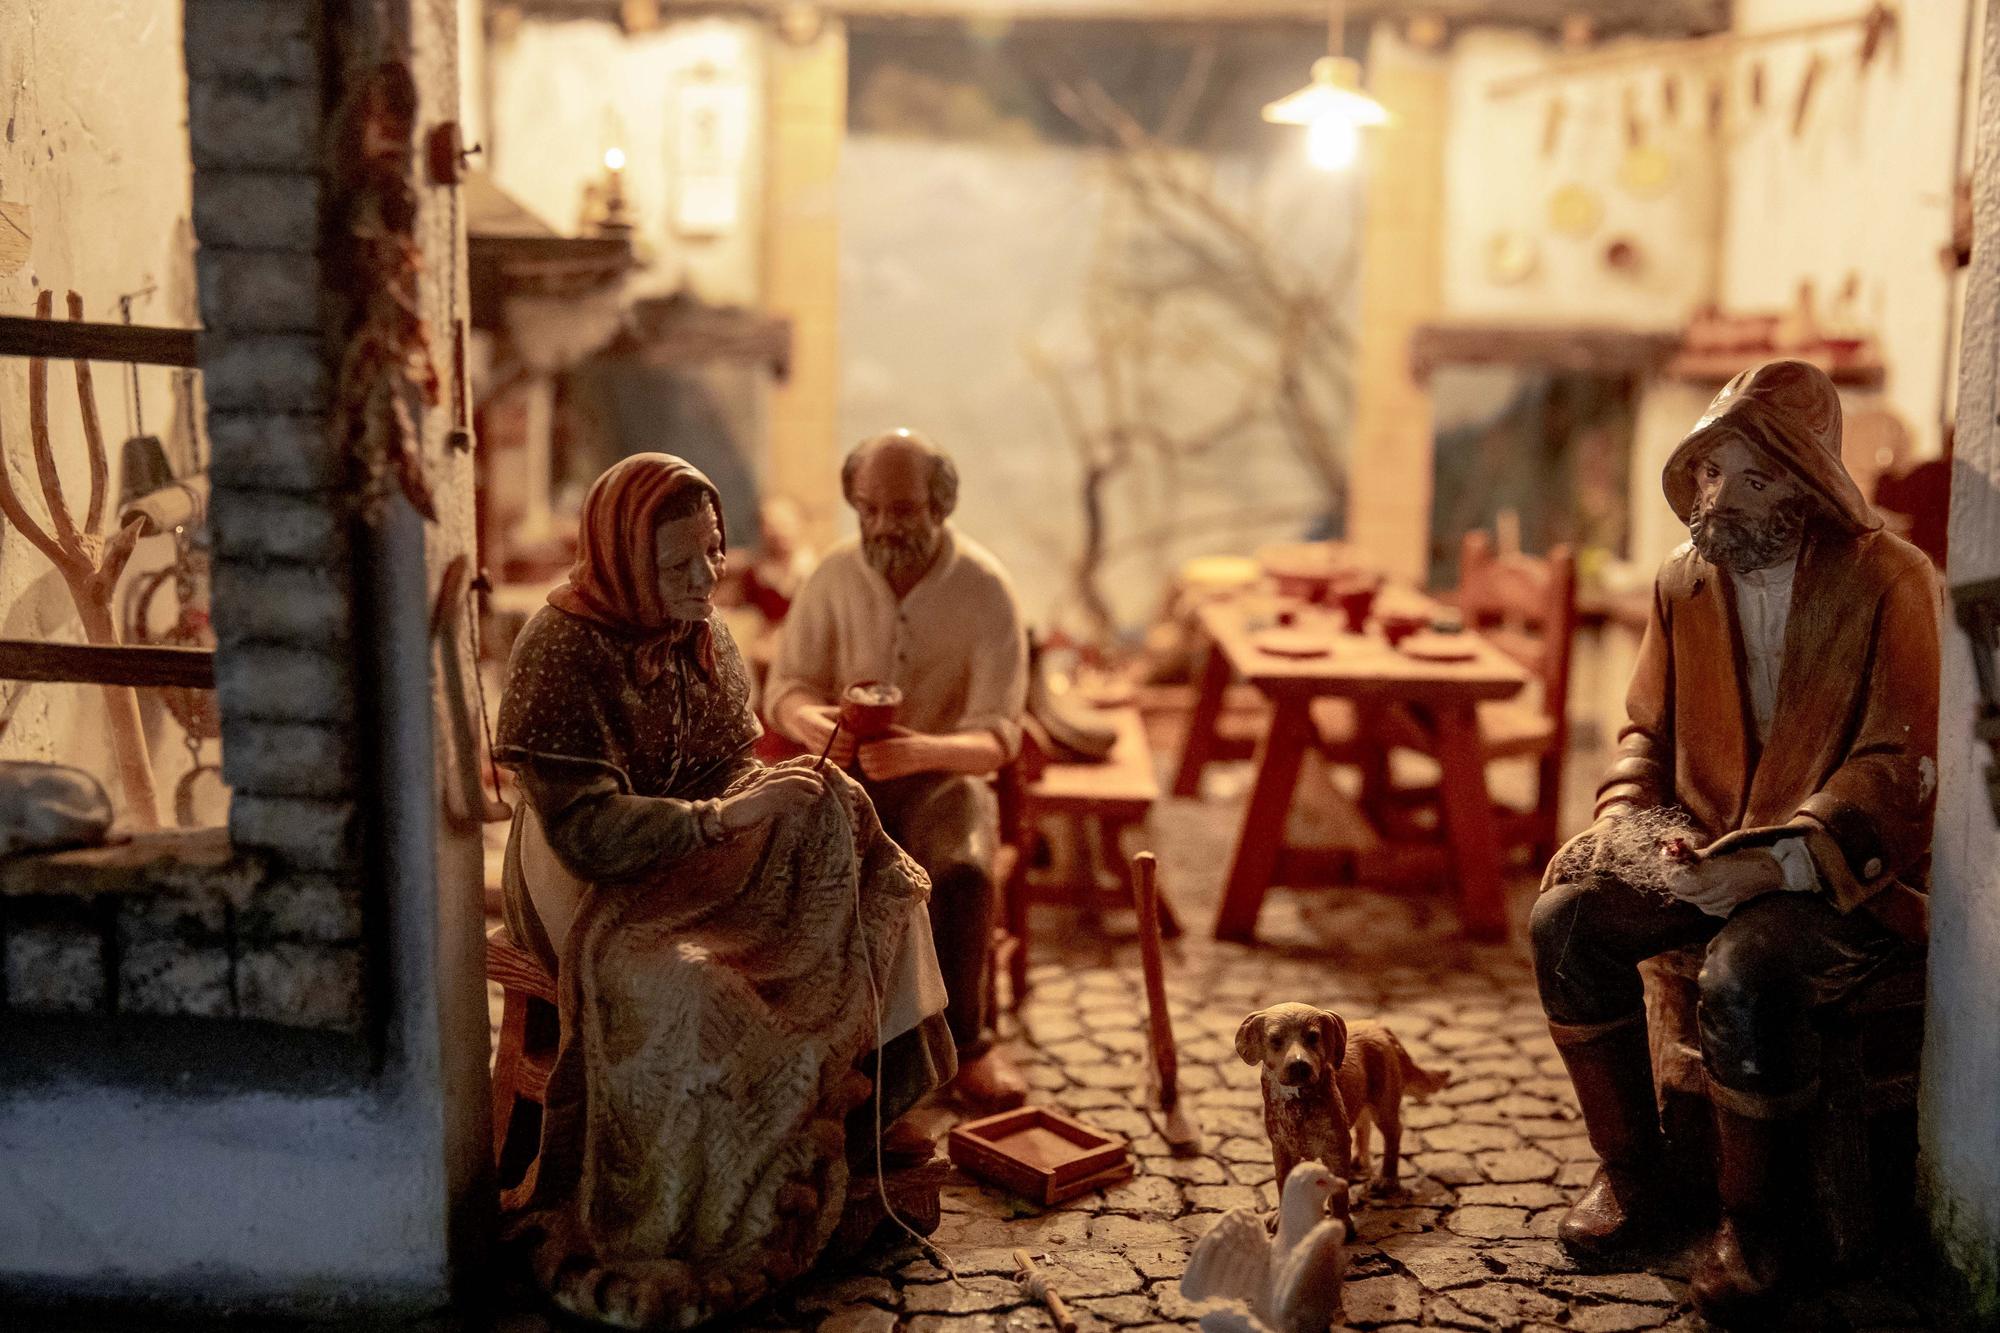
point(1771, 799)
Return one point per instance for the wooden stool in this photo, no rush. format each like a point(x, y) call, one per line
point(1860, 1135)
point(1109, 797)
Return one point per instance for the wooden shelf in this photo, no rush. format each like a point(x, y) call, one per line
point(1718, 368)
point(1579, 348)
point(72, 340)
point(93, 664)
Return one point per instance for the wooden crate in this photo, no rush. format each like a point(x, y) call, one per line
point(1040, 1153)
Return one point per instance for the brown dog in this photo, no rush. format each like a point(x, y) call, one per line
point(1315, 1068)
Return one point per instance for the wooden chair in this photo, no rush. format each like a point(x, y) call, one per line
point(1860, 1138)
point(1010, 934)
point(525, 1056)
point(1525, 606)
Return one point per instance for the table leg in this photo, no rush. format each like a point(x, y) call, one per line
point(1262, 840)
point(1470, 824)
point(1374, 761)
point(1200, 742)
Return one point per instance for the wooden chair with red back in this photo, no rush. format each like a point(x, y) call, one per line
point(1525, 606)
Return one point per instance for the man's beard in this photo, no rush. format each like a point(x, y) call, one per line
point(901, 556)
point(1729, 539)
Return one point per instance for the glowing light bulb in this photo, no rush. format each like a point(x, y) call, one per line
point(1333, 141)
point(614, 159)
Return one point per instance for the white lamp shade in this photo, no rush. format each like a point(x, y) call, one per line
point(1335, 91)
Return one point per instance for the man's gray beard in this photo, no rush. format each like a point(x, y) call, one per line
point(899, 558)
point(1731, 542)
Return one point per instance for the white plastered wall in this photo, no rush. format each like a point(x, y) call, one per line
point(95, 170)
point(562, 92)
point(1959, 1163)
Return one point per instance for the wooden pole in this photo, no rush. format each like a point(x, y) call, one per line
point(1037, 1286)
point(1180, 1130)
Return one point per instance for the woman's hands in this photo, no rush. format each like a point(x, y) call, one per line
point(784, 792)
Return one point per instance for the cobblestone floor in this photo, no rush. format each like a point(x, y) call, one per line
point(1490, 1162)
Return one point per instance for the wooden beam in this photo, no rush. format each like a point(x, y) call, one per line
point(1582, 348)
point(1658, 18)
point(1677, 17)
point(1873, 22)
point(64, 340)
point(92, 664)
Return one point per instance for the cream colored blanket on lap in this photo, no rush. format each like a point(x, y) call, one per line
point(693, 1147)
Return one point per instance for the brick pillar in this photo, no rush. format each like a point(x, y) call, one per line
point(808, 120)
point(1402, 257)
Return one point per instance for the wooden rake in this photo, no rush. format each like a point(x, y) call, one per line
point(89, 562)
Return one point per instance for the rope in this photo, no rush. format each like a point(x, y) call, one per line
point(936, 1253)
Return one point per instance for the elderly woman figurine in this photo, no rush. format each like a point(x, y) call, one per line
point(730, 941)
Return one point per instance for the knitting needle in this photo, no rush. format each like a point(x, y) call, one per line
point(819, 765)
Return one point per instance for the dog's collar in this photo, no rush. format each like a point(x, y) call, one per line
point(1290, 1092)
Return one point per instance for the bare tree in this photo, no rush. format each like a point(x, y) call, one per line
point(1185, 284)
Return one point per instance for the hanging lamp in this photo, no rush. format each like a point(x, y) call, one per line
point(1332, 107)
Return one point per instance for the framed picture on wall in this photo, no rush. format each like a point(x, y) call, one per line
point(711, 138)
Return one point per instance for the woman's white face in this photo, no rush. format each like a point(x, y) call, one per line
point(688, 554)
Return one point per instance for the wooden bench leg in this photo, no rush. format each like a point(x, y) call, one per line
point(507, 1060)
point(1200, 741)
point(1837, 1157)
point(1014, 897)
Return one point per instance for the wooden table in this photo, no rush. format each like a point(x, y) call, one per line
point(1442, 696)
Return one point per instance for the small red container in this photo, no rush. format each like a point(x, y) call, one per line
point(1399, 626)
point(868, 709)
point(1356, 595)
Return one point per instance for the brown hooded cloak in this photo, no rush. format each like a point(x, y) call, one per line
point(1851, 760)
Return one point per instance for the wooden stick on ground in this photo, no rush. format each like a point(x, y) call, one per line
point(1036, 1285)
point(1179, 1127)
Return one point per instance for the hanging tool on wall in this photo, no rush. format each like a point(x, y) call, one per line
point(90, 562)
point(143, 466)
point(465, 800)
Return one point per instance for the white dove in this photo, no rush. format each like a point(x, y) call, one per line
point(1289, 1283)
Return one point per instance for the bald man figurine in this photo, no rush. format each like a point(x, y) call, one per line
point(917, 604)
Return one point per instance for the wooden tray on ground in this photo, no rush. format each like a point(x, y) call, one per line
point(1040, 1153)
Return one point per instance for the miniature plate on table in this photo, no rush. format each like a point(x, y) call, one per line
point(1438, 648)
point(1283, 642)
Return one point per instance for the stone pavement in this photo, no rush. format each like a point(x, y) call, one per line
point(1489, 1162)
